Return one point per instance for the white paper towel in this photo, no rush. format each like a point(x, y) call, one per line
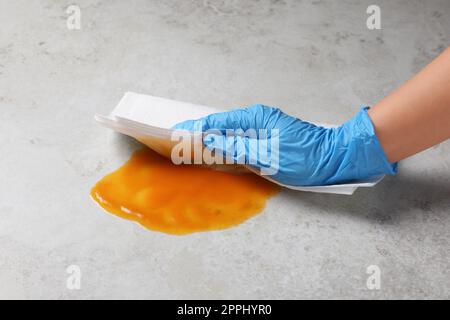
point(149, 119)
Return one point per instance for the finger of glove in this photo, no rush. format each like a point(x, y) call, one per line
point(239, 149)
point(242, 118)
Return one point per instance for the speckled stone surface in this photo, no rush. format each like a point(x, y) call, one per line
point(315, 59)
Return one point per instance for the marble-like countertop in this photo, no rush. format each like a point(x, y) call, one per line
point(315, 59)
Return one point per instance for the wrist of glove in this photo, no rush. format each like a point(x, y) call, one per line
point(357, 153)
point(306, 154)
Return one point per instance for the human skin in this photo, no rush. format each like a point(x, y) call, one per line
point(416, 116)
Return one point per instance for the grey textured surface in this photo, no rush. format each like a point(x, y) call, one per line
point(315, 59)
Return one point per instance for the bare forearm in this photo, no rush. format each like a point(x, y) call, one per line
point(416, 116)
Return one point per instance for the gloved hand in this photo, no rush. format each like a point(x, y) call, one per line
point(309, 155)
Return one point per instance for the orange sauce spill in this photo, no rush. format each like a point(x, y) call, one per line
point(180, 199)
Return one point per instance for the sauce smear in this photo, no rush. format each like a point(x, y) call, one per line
point(180, 199)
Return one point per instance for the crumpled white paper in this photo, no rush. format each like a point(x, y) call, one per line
point(149, 119)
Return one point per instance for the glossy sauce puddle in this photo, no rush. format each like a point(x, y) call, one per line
point(181, 199)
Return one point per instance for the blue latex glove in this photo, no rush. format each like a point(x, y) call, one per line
point(309, 155)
